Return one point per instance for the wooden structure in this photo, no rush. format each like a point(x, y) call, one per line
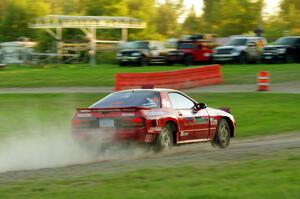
point(54, 24)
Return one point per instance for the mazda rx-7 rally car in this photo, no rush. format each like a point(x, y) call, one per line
point(160, 117)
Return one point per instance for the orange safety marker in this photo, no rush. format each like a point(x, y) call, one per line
point(263, 81)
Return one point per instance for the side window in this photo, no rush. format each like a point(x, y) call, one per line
point(180, 102)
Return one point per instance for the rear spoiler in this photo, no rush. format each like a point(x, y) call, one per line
point(129, 108)
point(226, 109)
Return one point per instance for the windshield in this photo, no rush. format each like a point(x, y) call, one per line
point(136, 45)
point(185, 45)
point(237, 42)
point(285, 41)
point(147, 99)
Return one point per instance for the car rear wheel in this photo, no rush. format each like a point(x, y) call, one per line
point(289, 58)
point(222, 136)
point(165, 139)
point(143, 61)
point(188, 60)
point(243, 58)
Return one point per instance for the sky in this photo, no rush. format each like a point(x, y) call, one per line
point(271, 6)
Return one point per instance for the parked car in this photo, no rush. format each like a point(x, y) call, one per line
point(285, 49)
point(240, 49)
point(160, 118)
point(141, 53)
point(195, 48)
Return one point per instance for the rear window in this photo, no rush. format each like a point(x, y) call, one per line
point(146, 99)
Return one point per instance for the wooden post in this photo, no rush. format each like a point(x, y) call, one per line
point(59, 49)
point(93, 47)
point(124, 34)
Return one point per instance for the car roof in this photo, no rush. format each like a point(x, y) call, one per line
point(291, 37)
point(246, 37)
point(151, 89)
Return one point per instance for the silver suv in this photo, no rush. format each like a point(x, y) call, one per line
point(240, 49)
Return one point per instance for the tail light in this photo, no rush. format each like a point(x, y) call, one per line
point(75, 123)
point(132, 122)
point(85, 123)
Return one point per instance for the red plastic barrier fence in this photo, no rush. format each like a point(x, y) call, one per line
point(177, 79)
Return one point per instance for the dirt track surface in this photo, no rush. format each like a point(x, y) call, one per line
point(289, 87)
point(199, 154)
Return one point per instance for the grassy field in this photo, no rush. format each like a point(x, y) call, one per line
point(103, 75)
point(275, 177)
point(256, 113)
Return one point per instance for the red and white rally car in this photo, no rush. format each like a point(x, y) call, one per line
point(160, 117)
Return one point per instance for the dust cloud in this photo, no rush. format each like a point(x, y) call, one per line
point(52, 149)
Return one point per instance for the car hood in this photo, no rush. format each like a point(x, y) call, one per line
point(131, 50)
point(239, 48)
point(275, 46)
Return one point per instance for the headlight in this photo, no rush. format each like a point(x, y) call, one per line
point(136, 54)
point(119, 54)
point(281, 50)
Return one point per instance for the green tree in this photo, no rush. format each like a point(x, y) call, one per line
point(167, 16)
point(232, 17)
point(192, 23)
point(146, 11)
point(17, 16)
point(105, 7)
point(286, 4)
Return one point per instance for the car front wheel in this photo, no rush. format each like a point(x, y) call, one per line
point(222, 136)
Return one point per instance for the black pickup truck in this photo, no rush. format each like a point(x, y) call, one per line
point(284, 49)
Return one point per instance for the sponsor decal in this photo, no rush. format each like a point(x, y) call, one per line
point(166, 103)
point(213, 121)
point(182, 133)
point(84, 115)
point(128, 114)
point(201, 120)
point(154, 113)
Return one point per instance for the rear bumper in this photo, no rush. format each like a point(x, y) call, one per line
point(96, 136)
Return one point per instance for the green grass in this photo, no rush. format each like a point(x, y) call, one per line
point(103, 75)
point(256, 113)
point(276, 178)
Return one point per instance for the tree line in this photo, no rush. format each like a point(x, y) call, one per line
point(220, 17)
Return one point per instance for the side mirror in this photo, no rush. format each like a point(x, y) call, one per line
point(200, 106)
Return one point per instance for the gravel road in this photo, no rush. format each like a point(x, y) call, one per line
point(199, 154)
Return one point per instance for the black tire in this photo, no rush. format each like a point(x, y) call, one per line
point(243, 58)
point(188, 60)
point(222, 136)
point(289, 58)
point(143, 61)
point(164, 140)
point(122, 63)
point(168, 61)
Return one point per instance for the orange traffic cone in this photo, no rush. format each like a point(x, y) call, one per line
point(263, 81)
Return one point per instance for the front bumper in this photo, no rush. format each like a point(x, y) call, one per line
point(272, 57)
point(128, 59)
point(225, 58)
